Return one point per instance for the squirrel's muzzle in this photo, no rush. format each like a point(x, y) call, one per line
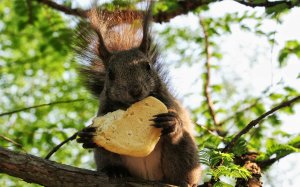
point(136, 92)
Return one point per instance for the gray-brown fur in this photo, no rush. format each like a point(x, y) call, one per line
point(120, 74)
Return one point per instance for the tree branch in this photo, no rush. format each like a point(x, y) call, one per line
point(231, 144)
point(209, 131)
point(266, 3)
point(184, 7)
point(73, 137)
point(33, 169)
point(67, 10)
point(41, 105)
point(207, 77)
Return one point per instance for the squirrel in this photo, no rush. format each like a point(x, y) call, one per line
point(122, 66)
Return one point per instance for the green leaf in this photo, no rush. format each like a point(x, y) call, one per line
point(217, 88)
point(274, 120)
point(278, 150)
point(276, 96)
point(295, 142)
point(277, 8)
point(288, 110)
point(240, 147)
point(233, 171)
point(291, 47)
point(211, 157)
point(282, 133)
point(290, 91)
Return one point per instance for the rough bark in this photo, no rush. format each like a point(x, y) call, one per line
point(33, 169)
point(249, 162)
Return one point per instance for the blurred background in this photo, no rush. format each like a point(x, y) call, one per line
point(252, 64)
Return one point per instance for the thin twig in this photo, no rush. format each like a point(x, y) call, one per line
point(11, 141)
point(41, 105)
point(232, 143)
point(210, 131)
point(59, 145)
point(207, 75)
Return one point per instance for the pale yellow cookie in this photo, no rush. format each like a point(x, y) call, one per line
point(130, 132)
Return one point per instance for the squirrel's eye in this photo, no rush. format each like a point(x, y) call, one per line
point(148, 67)
point(111, 75)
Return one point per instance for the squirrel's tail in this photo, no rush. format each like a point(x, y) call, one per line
point(118, 30)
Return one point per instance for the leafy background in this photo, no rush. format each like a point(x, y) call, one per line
point(38, 66)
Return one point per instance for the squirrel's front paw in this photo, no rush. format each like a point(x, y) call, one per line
point(86, 137)
point(116, 171)
point(169, 122)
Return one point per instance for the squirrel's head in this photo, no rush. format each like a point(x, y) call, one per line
point(127, 58)
point(130, 76)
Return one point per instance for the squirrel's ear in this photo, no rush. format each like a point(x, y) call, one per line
point(103, 51)
point(145, 44)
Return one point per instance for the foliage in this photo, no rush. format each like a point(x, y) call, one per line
point(275, 150)
point(37, 66)
point(222, 164)
point(291, 47)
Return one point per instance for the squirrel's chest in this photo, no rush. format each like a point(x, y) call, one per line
point(148, 168)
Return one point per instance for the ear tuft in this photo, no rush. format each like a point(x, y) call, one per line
point(103, 51)
point(146, 40)
point(95, 20)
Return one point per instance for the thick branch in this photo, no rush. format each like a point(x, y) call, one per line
point(33, 169)
point(231, 144)
point(41, 105)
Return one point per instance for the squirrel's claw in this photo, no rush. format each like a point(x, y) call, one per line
point(169, 122)
point(89, 145)
point(89, 129)
point(86, 137)
point(116, 171)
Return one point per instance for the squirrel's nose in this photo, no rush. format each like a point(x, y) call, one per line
point(135, 92)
